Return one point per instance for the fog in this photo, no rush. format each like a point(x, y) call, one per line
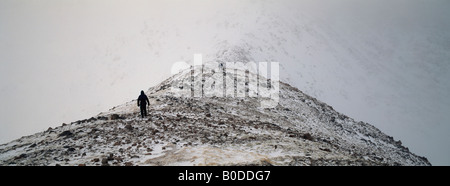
point(62, 61)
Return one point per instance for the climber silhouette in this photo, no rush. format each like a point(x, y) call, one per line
point(142, 102)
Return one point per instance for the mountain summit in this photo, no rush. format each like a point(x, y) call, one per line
point(211, 130)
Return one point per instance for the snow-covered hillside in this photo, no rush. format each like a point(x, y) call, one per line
point(186, 130)
point(383, 62)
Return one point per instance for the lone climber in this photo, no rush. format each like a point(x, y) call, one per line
point(142, 102)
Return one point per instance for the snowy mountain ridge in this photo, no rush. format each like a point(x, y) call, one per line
point(383, 62)
point(300, 130)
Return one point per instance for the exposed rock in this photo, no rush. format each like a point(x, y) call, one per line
point(129, 127)
point(71, 149)
point(20, 156)
point(115, 117)
point(308, 136)
point(105, 162)
point(333, 119)
point(102, 118)
point(325, 149)
point(110, 157)
point(119, 159)
point(66, 134)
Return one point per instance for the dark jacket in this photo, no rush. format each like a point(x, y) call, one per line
point(143, 100)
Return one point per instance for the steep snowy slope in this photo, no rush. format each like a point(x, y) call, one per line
point(384, 62)
point(186, 130)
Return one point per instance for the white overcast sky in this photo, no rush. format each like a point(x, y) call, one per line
point(66, 60)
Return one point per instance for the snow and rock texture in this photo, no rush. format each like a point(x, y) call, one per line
point(300, 130)
point(381, 61)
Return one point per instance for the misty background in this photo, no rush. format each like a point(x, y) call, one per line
point(383, 62)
